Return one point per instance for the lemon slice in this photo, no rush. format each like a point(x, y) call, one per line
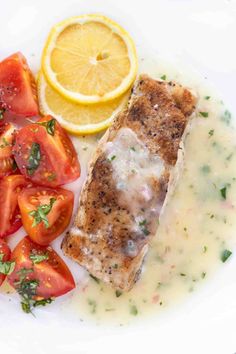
point(74, 117)
point(89, 59)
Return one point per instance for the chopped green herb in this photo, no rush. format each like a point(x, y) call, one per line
point(93, 305)
point(115, 266)
point(203, 275)
point(85, 148)
point(40, 214)
point(118, 293)
point(223, 192)
point(206, 169)
point(110, 309)
point(182, 274)
point(207, 97)
point(7, 267)
point(211, 132)
point(5, 143)
point(133, 310)
point(112, 158)
point(34, 158)
point(132, 148)
point(143, 227)
point(50, 126)
point(229, 157)
point(1, 113)
point(225, 255)
point(204, 114)
point(38, 258)
point(185, 228)
point(27, 290)
point(159, 284)
point(23, 272)
point(226, 118)
point(43, 302)
point(94, 278)
point(163, 77)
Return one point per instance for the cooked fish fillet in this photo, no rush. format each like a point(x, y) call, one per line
point(127, 183)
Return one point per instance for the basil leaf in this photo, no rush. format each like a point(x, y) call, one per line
point(40, 214)
point(34, 158)
point(38, 258)
point(7, 268)
point(50, 126)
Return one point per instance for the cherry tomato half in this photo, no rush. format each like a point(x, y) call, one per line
point(5, 254)
point(45, 212)
point(44, 266)
point(45, 154)
point(10, 187)
point(18, 93)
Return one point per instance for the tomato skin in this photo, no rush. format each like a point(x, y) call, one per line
point(10, 187)
point(5, 250)
point(7, 133)
point(58, 163)
point(55, 278)
point(58, 218)
point(18, 93)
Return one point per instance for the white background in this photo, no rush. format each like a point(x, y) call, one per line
point(202, 34)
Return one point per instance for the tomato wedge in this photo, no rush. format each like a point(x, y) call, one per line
point(10, 187)
point(42, 268)
point(45, 212)
point(18, 93)
point(45, 154)
point(7, 132)
point(5, 254)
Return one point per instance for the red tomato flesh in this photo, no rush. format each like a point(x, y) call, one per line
point(7, 132)
point(10, 187)
point(18, 93)
point(58, 218)
point(45, 154)
point(6, 252)
point(53, 275)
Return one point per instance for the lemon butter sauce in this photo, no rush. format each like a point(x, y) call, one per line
point(195, 232)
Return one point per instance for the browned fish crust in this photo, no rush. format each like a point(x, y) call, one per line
point(104, 235)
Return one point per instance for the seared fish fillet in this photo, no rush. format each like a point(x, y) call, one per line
point(127, 183)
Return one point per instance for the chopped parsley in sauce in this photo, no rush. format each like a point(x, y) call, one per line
point(204, 114)
point(211, 132)
point(225, 255)
point(133, 310)
point(223, 192)
point(163, 77)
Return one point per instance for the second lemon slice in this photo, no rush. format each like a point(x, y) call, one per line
point(89, 59)
point(77, 118)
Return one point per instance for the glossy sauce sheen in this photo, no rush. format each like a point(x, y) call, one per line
point(196, 225)
point(134, 169)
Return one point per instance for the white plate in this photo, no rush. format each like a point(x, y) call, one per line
point(202, 34)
